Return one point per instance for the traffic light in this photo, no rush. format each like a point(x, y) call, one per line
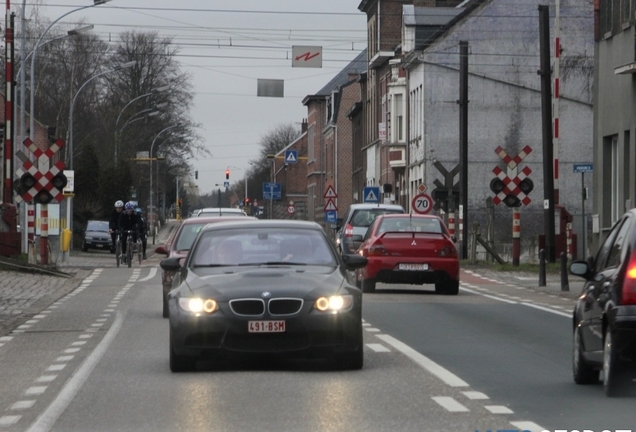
point(526, 185)
point(227, 174)
point(247, 201)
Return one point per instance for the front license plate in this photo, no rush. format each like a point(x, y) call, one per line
point(413, 267)
point(266, 326)
point(99, 245)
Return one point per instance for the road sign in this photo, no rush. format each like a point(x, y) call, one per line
point(330, 193)
point(512, 186)
point(226, 184)
point(331, 217)
point(583, 168)
point(291, 209)
point(371, 194)
point(422, 204)
point(330, 206)
point(307, 56)
point(291, 156)
point(422, 188)
point(272, 191)
point(45, 182)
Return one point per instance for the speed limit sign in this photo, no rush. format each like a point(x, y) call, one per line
point(422, 204)
point(291, 209)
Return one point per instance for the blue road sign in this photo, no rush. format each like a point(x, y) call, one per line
point(371, 194)
point(272, 191)
point(331, 216)
point(226, 184)
point(583, 168)
point(291, 156)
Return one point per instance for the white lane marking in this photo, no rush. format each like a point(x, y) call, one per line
point(56, 367)
point(556, 312)
point(46, 378)
point(6, 338)
point(9, 420)
point(23, 404)
point(71, 350)
point(79, 343)
point(527, 425)
point(448, 377)
point(48, 418)
point(499, 409)
point(378, 348)
point(64, 358)
point(372, 329)
point(475, 395)
point(450, 404)
point(35, 390)
point(153, 272)
point(488, 296)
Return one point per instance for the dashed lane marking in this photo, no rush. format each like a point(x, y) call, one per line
point(450, 404)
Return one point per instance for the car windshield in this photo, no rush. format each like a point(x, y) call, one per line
point(97, 226)
point(410, 225)
point(255, 246)
point(187, 235)
point(363, 218)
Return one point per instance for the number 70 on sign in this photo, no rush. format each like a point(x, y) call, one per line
point(422, 204)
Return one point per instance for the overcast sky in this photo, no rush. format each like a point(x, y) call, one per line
point(226, 46)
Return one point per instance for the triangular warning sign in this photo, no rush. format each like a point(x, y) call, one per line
point(291, 157)
point(330, 206)
point(330, 193)
point(371, 196)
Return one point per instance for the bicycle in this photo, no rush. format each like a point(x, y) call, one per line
point(129, 248)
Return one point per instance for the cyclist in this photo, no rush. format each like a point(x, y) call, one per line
point(113, 223)
point(128, 222)
point(143, 229)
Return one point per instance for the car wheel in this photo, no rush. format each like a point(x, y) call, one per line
point(611, 367)
point(84, 248)
point(583, 372)
point(181, 363)
point(450, 287)
point(367, 285)
point(166, 307)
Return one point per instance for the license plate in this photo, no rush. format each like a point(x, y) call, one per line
point(413, 267)
point(266, 326)
point(99, 245)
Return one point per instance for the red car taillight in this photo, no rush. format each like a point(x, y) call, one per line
point(377, 249)
point(448, 251)
point(628, 294)
point(348, 232)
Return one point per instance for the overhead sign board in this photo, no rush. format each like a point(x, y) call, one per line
point(272, 191)
point(307, 56)
point(291, 156)
point(583, 168)
point(270, 88)
point(371, 194)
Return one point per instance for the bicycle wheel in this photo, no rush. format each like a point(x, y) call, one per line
point(118, 251)
point(129, 252)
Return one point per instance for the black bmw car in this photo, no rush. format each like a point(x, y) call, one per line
point(274, 287)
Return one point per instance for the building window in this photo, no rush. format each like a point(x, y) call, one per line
point(399, 117)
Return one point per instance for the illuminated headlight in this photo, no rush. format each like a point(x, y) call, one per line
point(334, 303)
point(197, 305)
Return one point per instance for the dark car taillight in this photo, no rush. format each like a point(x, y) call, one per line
point(628, 293)
point(376, 249)
point(448, 251)
point(348, 231)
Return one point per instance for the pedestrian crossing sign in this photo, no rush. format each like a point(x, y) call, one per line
point(371, 194)
point(291, 156)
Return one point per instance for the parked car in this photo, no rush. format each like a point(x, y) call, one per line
point(221, 211)
point(179, 245)
point(604, 320)
point(275, 287)
point(355, 223)
point(96, 236)
point(409, 249)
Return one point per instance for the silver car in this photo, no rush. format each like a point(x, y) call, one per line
point(353, 227)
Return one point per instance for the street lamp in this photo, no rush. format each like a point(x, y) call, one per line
point(70, 147)
point(35, 50)
point(150, 163)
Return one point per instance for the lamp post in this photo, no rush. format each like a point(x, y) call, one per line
point(151, 92)
point(150, 163)
point(70, 146)
point(35, 50)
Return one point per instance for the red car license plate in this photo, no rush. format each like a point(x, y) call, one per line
point(413, 267)
point(266, 326)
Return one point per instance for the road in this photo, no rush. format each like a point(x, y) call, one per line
point(495, 357)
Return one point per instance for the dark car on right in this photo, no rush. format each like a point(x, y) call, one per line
point(604, 320)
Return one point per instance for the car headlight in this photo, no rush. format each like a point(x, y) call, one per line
point(197, 305)
point(335, 303)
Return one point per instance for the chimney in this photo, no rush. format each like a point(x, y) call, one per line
point(303, 126)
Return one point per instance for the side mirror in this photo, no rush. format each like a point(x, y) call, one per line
point(171, 264)
point(580, 268)
point(354, 261)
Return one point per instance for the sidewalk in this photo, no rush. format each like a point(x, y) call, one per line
point(24, 294)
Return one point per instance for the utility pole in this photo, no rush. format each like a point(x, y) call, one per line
point(7, 162)
point(463, 144)
point(546, 115)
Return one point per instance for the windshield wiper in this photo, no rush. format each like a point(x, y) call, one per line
point(282, 263)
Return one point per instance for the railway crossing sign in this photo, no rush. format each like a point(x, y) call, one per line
point(46, 182)
point(513, 186)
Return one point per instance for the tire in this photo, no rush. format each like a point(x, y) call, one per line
point(450, 287)
point(583, 373)
point(612, 384)
point(166, 306)
point(129, 255)
point(181, 363)
point(367, 285)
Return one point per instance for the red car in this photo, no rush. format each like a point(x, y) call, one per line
point(179, 244)
point(409, 249)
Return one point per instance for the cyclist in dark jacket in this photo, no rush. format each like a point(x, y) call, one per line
point(128, 222)
point(113, 223)
point(143, 229)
